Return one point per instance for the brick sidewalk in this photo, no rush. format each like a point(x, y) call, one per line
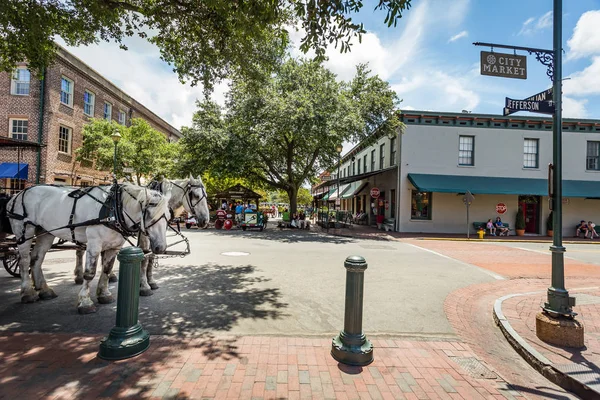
point(57, 366)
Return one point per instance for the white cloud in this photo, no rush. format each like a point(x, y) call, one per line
point(530, 26)
point(574, 108)
point(586, 82)
point(586, 37)
point(140, 73)
point(458, 36)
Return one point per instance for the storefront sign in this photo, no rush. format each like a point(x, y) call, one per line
point(501, 208)
point(503, 65)
point(375, 192)
point(380, 203)
point(540, 103)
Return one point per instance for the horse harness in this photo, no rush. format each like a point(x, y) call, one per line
point(187, 192)
point(112, 214)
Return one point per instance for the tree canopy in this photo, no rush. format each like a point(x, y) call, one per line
point(285, 131)
point(142, 148)
point(204, 41)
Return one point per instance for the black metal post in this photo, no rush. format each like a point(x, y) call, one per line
point(351, 346)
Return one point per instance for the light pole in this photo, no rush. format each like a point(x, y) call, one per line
point(116, 136)
point(338, 148)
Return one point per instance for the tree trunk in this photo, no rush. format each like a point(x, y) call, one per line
point(139, 182)
point(293, 195)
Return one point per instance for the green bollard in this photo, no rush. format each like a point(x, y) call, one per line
point(351, 346)
point(127, 338)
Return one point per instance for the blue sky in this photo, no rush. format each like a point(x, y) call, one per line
point(429, 58)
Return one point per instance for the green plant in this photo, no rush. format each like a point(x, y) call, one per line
point(549, 222)
point(520, 220)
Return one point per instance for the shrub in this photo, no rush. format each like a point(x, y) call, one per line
point(549, 222)
point(520, 220)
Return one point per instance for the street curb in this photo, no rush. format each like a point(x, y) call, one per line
point(535, 358)
point(506, 240)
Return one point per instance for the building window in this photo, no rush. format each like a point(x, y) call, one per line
point(66, 91)
point(393, 201)
point(530, 153)
point(348, 174)
point(19, 83)
point(122, 117)
point(64, 139)
point(89, 101)
point(381, 155)
point(18, 128)
point(107, 111)
point(393, 152)
point(420, 205)
point(60, 181)
point(593, 156)
point(84, 184)
point(353, 169)
point(372, 160)
point(466, 146)
point(365, 162)
point(358, 166)
point(16, 185)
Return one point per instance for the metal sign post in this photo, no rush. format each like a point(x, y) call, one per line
point(468, 199)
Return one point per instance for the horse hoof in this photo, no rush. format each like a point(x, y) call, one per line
point(105, 299)
point(48, 294)
point(153, 286)
point(86, 309)
point(79, 280)
point(113, 278)
point(146, 292)
point(29, 298)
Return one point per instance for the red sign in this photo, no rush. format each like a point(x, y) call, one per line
point(500, 208)
point(375, 192)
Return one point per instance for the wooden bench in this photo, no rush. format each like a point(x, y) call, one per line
point(483, 225)
point(389, 224)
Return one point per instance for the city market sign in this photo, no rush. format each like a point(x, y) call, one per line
point(503, 65)
point(375, 193)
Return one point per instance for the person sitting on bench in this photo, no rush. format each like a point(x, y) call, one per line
point(500, 227)
point(490, 227)
point(581, 228)
point(591, 228)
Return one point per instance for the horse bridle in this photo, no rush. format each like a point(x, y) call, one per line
point(137, 226)
point(187, 192)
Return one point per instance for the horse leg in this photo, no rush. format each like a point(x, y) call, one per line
point(42, 245)
point(145, 289)
point(79, 266)
point(112, 278)
point(149, 271)
point(28, 292)
point(86, 305)
point(102, 292)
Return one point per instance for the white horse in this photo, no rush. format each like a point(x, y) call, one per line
point(44, 212)
point(185, 194)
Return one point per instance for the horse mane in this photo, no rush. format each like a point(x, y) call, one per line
point(135, 195)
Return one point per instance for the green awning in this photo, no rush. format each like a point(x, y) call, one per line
point(493, 185)
point(333, 196)
point(331, 191)
point(353, 189)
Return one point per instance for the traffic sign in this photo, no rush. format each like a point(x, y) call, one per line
point(375, 193)
point(468, 198)
point(501, 208)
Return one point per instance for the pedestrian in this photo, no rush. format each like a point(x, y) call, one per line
point(581, 228)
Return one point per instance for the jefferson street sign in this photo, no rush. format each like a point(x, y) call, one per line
point(503, 65)
point(540, 103)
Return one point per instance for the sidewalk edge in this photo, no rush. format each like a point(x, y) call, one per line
point(535, 358)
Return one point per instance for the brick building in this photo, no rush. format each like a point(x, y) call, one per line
point(67, 98)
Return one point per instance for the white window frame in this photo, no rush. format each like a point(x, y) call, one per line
point(122, 113)
point(110, 107)
point(527, 147)
point(466, 151)
point(69, 103)
point(69, 140)
point(92, 104)
point(12, 134)
point(14, 82)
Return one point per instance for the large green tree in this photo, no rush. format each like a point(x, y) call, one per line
point(204, 40)
point(285, 131)
point(141, 147)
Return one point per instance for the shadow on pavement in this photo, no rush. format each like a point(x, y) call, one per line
point(191, 300)
point(285, 235)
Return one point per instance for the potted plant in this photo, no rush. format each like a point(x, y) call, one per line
point(520, 223)
point(549, 221)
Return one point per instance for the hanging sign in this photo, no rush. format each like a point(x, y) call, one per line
point(501, 208)
point(540, 103)
point(375, 192)
point(503, 65)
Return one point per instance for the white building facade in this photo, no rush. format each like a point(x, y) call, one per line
point(423, 173)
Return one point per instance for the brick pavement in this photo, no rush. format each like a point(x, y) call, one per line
point(60, 366)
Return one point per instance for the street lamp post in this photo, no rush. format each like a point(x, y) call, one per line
point(338, 148)
point(116, 136)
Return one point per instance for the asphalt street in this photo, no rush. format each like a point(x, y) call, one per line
point(270, 282)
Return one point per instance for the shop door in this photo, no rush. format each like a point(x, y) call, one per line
point(530, 208)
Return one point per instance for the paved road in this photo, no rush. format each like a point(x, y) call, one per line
point(290, 282)
point(580, 252)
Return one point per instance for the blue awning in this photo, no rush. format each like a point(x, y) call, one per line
point(499, 185)
point(14, 170)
